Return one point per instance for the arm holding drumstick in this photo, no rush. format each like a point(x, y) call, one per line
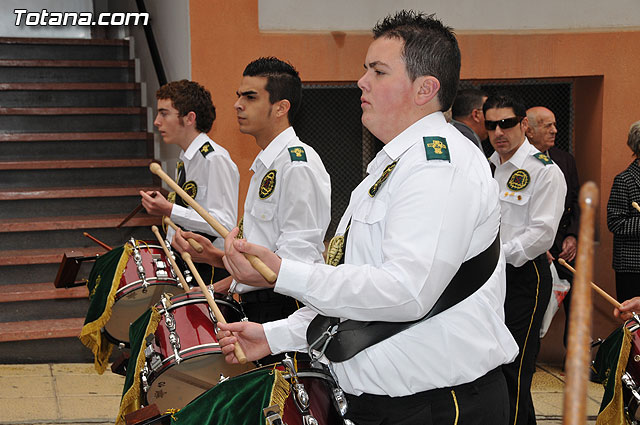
point(239, 354)
point(155, 168)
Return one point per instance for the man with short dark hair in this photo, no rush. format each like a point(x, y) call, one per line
point(205, 170)
point(532, 191)
point(288, 203)
point(426, 209)
point(467, 115)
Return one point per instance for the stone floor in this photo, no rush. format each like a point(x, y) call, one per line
point(48, 394)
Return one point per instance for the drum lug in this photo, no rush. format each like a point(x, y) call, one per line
point(161, 267)
point(137, 258)
point(174, 339)
point(340, 401)
point(309, 420)
point(272, 415)
point(302, 398)
point(154, 361)
point(144, 380)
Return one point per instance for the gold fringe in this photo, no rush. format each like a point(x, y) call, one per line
point(613, 413)
point(91, 334)
point(131, 400)
point(280, 391)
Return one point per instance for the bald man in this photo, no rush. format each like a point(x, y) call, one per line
point(542, 134)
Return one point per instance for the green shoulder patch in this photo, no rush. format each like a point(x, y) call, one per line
point(518, 180)
point(297, 154)
point(436, 148)
point(206, 149)
point(543, 158)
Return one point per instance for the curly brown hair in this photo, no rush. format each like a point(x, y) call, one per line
point(187, 96)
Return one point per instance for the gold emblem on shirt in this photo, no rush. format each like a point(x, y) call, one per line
point(385, 174)
point(518, 180)
point(268, 184)
point(335, 251)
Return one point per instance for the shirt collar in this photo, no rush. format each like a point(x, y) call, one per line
point(194, 146)
point(269, 154)
point(518, 157)
point(405, 140)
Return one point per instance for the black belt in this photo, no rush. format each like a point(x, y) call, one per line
point(340, 341)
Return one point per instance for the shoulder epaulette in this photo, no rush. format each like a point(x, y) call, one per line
point(436, 148)
point(545, 159)
point(297, 154)
point(206, 149)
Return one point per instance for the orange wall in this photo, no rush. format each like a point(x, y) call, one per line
point(225, 37)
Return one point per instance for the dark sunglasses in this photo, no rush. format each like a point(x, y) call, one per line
point(504, 124)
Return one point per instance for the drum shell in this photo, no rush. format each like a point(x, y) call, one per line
point(131, 298)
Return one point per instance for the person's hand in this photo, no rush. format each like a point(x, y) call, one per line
point(155, 203)
point(550, 257)
point(222, 286)
point(209, 255)
point(240, 268)
point(569, 248)
point(249, 335)
point(625, 312)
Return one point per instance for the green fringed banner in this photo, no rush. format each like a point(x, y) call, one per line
point(609, 365)
point(238, 401)
point(103, 283)
point(144, 325)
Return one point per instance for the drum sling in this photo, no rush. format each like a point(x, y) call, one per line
point(339, 341)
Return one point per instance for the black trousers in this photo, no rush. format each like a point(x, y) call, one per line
point(481, 402)
point(528, 293)
point(265, 305)
point(627, 285)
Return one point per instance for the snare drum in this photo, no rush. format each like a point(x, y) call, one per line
point(147, 276)
point(184, 359)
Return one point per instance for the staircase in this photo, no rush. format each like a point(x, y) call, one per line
point(74, 152)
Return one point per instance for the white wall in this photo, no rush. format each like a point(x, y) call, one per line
point(361, 15)
point(8, 26)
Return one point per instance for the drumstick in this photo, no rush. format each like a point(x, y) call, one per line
point(135, 211)
point(194, 243)
point(635, 205)
point(102, 244)
point(595, 287)
point(212, 303)
point(176, 269)
point(257, 264)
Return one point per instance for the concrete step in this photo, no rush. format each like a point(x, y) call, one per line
point(35, 146)
point(41, 329)
point(40, 291)
point(44, 309)
point(16, 120)
point(66, 71)
point(66, 233)
point(41, 95)
point(73, 192)
point(60, 48)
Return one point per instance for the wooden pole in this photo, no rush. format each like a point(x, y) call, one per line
point(578, 346)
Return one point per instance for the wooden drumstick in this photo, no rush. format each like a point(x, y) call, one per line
point(242, 358)
point(635, 205)
point(256, 263)
point(176, 269)
point(595, 287)
point(194, 243)
point(102, 244)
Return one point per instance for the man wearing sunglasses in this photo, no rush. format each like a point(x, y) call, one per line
point(532, 191)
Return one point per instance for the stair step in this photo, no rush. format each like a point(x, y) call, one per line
point(66, 71)
point(39, 291)
point(41, 329)
point(18, 257)
point(39, 224)
point(52, 137)
point(64, 48)
point(73, 111)
point(74, 192)
point(73, 164)
point(76, 120)
point(40, 95)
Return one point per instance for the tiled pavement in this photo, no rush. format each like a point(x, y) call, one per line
point(48, 394)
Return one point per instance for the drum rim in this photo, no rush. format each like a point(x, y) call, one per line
point(154, 281)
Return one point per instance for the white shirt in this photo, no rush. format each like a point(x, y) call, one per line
point(217, 179)
point(404, 246)
point(531, 215)
point(291, 220)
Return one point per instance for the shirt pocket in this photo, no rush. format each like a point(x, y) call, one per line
point(263, 211)
point(516, 209)
point(371, 211)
